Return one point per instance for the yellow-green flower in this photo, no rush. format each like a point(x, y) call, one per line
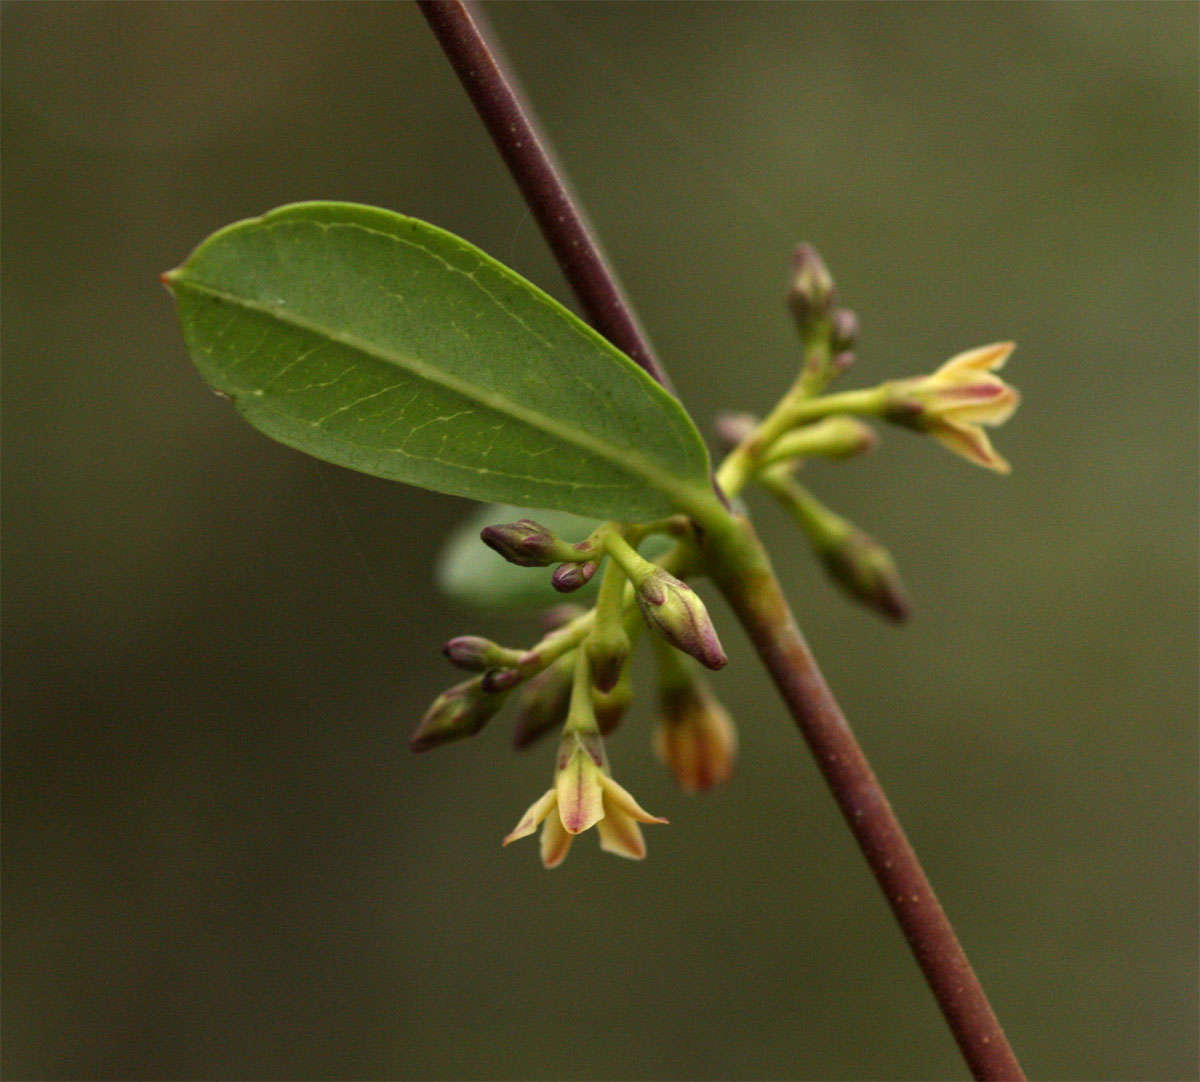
point(584, 795)
point(955, 402)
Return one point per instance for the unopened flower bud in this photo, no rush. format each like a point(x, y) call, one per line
point(570, 577)
point(696, 738)
point(458, 712)
point(500, 679)
point(525, 543)
point(843, 330)
point(866, 570)
point(812, 288)
point(476, 654)
point(543, 701)
point(850, 437)
point(675, 611)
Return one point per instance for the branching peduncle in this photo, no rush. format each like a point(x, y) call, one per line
point(738, 563)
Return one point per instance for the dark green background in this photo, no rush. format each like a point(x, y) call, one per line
point(221, 861)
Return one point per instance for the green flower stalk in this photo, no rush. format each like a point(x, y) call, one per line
point(854, 559)
point(833, 437)
point(608, 645)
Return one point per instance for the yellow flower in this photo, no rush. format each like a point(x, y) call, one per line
point(953, 403)
point(584, 795)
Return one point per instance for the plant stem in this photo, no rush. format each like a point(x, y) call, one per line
point(494, 94)
point(742, 570)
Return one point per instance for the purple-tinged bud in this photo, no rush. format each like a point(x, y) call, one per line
point(675, 611)
point(843, 330)
point(866, 570)
point(495, 680)
point(473, 653)
point(570, 577)
point(458, 712)
point(842, 361)
point(524, 543)
point(607, 649)
point(543, 702)
point(812, 288)
point(732, 428)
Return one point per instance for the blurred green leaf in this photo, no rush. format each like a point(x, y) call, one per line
point(384, 344)
point(470, 572)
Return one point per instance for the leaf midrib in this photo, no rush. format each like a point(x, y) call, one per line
point(628, 461)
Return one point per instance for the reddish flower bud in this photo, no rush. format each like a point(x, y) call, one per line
point(569, 577)
point(524, 543)
point(812, 288)
point(476, 654)
point(843, 330)
point(458, 712)
point(865, 569)
point(675, 611)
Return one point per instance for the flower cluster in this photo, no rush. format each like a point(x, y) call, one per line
point(579, 676)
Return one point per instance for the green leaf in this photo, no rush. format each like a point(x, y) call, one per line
point(470, 572)
point(384, 344)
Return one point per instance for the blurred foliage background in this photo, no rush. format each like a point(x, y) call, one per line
point(221, 861)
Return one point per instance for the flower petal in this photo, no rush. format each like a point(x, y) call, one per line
point(620, 834)
point(580, 796)
point(534, 814)
point(995, 409)
point(980, 359)
point(971, 442)
point(556, 842)
point(618, 799)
